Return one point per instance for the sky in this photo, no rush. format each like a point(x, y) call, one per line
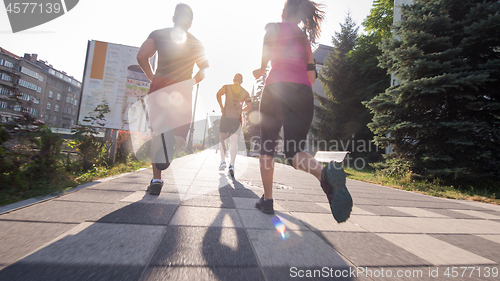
point(230, 30)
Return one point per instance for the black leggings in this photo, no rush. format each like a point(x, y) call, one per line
point(290, 105)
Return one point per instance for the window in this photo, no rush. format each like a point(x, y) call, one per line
point(70, 89)
point(29, 85)
point(54, 119)
point(76, 102)
point(31, 73)
point(8, 64)
point(6, 77)
point(51, 94)
point(47, 117)
point(74, 112)
point(49, 106)
point(68, 99)
point(3, 104)
point(56, 108)
point(58, 96)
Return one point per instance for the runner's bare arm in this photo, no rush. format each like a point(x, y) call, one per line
point(220, 93)
point(272, 30)
point(147, 50)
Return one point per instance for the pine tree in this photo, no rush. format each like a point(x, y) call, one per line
point(444, 116)
point(334, 115)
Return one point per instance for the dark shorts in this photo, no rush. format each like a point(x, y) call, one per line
point(290, 105)
point(229, 125)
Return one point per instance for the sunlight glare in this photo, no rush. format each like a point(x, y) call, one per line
point(178, 35)
point(254, 117)
point(175, 99)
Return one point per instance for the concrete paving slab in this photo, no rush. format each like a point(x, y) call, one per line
point(63, 212)
point(452, 226)
point(245, 193)
point(208, 201)
point(383, 211)
point(204, 246)
point(370, 250)
point(202, 216)
point(249, 203)
point(21, 238)
point(479, 214)
point(89, 195)
point(435, 251)
point(419, 212)
point(493, 238)
point(326, 222)
point(145, 197)
point(31, 271)
point(474, 244)
point(120, 186)
point(256, 219)
point(298, 248)
point(379, 224)
point(303, 207)
point(451, 214)
point(141, 213)
point(189, 273)
point(210, 190)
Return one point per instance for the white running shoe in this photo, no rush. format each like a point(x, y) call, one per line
point(231, 170)
point(222, 166)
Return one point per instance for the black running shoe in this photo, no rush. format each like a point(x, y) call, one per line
point(333, 183)
point(266, 206)
point(154, 188)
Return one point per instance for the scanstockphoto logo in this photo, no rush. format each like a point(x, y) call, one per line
point(26, 14)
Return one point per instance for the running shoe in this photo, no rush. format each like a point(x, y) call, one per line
point(154, 188)
point(231, 170)
point(333, 181)
point(266, 206)
point(222, 165)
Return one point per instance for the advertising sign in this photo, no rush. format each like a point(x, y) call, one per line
point(112, 75)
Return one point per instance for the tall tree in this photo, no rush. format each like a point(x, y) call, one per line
point(444, 116)
point(336, 114)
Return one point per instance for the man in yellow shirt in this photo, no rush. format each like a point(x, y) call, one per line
point(230, 124)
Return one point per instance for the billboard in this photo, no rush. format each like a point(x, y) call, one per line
point(113, 75)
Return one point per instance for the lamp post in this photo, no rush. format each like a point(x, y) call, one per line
point(204, 132)
point(191, 130)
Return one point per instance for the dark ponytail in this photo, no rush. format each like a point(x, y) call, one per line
point(311, 15)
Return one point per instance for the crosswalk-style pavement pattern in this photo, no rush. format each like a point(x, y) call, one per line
point(204, 226)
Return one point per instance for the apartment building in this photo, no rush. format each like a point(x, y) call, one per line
point(45, 92)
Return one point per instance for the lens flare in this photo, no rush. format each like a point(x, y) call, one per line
point(175, 99)
point(280, 227)
point(178, 35)
point(254, 117)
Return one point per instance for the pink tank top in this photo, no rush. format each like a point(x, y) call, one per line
point(290, 56)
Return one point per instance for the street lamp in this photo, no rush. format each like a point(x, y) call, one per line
point(204, 132)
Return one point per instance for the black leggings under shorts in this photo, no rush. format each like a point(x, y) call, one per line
point(290, 105)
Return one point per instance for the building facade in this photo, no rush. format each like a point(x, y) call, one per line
point(49, 95)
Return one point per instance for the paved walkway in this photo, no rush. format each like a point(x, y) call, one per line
point(204, 226)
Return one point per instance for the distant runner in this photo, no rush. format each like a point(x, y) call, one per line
point(230, 123)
